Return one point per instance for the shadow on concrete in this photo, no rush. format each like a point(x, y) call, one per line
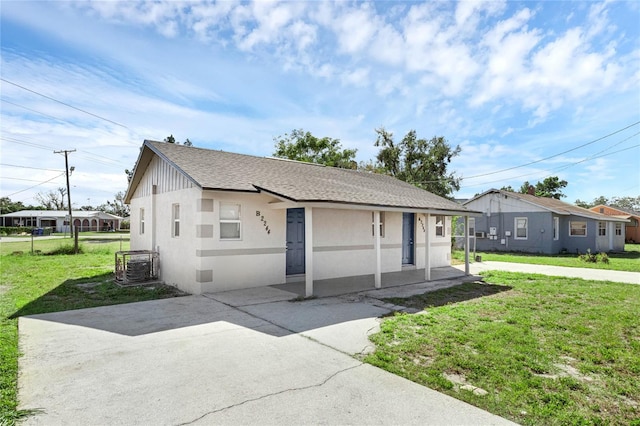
point(271, 310)
point(346, 285)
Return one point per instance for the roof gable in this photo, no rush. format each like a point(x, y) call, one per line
point(292, 180)
point(550, 204)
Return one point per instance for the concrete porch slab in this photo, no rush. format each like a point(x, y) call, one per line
point(360, 283)
point(252, 296)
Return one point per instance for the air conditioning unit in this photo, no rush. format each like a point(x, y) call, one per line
point(481, 234)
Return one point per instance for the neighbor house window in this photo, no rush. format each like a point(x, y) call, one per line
point(601, 209)
point(141, 221)
point(521, 228)
point(229, 221)
point(175, 218)
point(472, 226)
point(373, 224)
point(602, 229)
point(618, 229)
point(556, 228)
point(439, 226)
point(578, 229)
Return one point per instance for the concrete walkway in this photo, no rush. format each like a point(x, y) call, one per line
point(562, 271)
point(243, 357)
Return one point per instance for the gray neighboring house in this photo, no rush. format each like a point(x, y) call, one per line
point(525, 223)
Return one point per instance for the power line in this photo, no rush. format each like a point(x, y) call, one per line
point(64, 103)
point(27, 167)
point(31, 187)
point(557, 169)
point(62, 119)
point(26, 180)
point(553, 156)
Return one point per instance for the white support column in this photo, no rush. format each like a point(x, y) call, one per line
point(376, 232)
point(611, 226)
point(427, 248)
point(466, 245)
point(308, 252)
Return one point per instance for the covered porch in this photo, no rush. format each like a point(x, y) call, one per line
point(346, 285)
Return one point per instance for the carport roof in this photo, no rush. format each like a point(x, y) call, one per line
point(290, 180)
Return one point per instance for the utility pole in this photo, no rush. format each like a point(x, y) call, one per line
point(74, 235)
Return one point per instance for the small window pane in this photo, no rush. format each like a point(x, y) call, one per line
point(230, 230)
point(229, 212)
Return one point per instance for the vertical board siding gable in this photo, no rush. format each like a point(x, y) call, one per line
point(164, 176)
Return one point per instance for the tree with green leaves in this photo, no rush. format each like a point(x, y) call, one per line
point(550, 187)
point(170, 139)
point(420, 162)
point(8, 206)
point(303, 146)
point(625, 203)
point(117, 206)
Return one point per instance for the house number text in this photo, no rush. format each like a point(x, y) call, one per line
point(264, 222)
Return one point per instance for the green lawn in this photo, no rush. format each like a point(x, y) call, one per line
point(547, 350)
point(627, 261)
point(31, 284)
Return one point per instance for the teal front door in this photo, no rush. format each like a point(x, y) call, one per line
point(295, 241)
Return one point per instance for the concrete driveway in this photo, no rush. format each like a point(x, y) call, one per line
point(229, 358)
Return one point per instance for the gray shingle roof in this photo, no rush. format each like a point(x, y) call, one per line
point(552, 204)
point(300, 182)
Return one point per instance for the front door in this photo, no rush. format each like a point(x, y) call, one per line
point(408, 222)
point(295, 241)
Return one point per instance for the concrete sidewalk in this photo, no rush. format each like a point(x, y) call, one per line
point(249, 357)
point(562, 271)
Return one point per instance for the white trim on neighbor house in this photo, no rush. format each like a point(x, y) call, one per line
point(517, 221)
point(581, 230)
point(556, 228)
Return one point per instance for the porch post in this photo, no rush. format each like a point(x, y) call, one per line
point(376, 232)
point(466, 245)
point(308, 252)
point(611, 227)
point(427, 248)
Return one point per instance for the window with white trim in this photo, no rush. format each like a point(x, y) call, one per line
point(373, 224)
point(618, 229)
point(578, 229)
point(556, 228)
point(602, 229)
point(522, 228)
point(439, 226)
point(230, 224)
point(472, 226)
point(175, 220)
point(141, 221)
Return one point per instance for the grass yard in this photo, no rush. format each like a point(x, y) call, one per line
point(546, 350)
point(627, 261)
point(46, 282)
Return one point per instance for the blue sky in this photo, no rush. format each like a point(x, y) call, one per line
point(512, 83)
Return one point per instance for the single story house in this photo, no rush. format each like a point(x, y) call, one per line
point(631, 229)
point(523, 222)
point(222, 221)
point(59, 220)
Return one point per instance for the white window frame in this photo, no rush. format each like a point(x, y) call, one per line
point(526, 228)
point(618, 229)
point(571, 228)
point(175, 220)
point(237, 221)
point(472, 227)
point(602, 228)
point(141, 221)
point(440, 222)
point(556, 228)
point(373, 234)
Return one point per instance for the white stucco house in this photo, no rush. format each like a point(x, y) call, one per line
point(223, 221)
point(58, 220)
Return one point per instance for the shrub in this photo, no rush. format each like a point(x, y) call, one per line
point(594, 258)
